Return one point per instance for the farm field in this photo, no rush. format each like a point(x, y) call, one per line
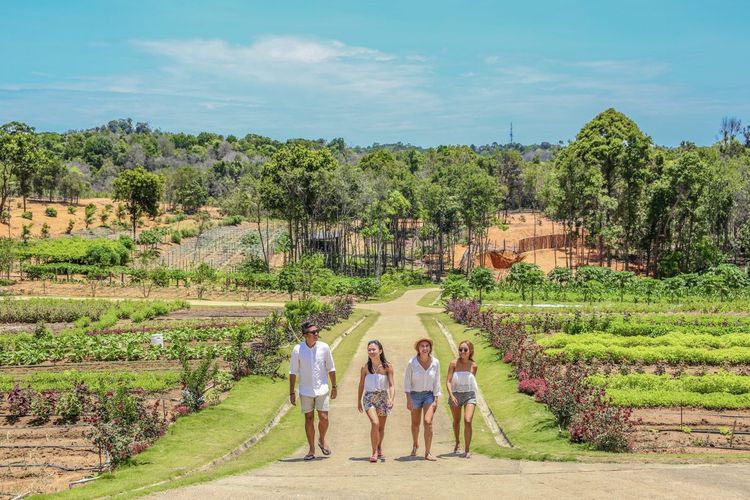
point(57, 384)
point(683, 379)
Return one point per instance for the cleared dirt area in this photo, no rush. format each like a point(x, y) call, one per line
point(692, 430)
point(116, 291)
point(45, 458)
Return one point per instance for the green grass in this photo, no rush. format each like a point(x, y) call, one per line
point(188, 445)
point(429, 298)
point(392, 294)
point(529, 426)
point(482, 439)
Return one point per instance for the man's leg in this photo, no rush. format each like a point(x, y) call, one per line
point(323, 427)
point(310, 431)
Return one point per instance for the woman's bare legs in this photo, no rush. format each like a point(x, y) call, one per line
point(429, 413)
point(468, 416)
point(456, 412)
point(416, 419)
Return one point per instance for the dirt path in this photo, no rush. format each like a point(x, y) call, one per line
point(348, 474)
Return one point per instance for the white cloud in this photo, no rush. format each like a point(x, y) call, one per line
point(327, 65)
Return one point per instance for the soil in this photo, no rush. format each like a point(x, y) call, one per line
point(503, 244)
point(37, 475)
point(691, 430)
point(116, 291)
point(58, 225)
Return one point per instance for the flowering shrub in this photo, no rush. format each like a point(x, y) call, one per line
point(179, 411)
point(576, 405)
point(122, 424)
point(533, 387)
point(604, 426)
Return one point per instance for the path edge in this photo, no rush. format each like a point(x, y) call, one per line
point(497, 432)
point(255, 438)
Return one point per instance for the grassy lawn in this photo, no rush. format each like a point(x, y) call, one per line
point(395, 293)
point(187, 444)
point(429, 300)
point(529, 426)
point(482, 438)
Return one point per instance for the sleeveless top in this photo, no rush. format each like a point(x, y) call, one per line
point(375, 382)
point(464, 382)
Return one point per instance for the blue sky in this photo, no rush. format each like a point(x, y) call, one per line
point(424, 72)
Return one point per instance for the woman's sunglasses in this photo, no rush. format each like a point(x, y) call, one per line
point(463, 349)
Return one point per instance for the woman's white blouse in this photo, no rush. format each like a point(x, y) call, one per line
point(463, 382)
point(417, 379)
point(375, 382)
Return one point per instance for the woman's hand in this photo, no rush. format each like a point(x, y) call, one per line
point(454, 400)
point(359, 407)
point(409, 406)
point(390, 403)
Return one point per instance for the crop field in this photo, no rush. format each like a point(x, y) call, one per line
point(685, 376)
point(58, 384)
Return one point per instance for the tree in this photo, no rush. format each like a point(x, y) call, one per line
point(482, 280)
point(605, 168)
point(296, 183)
point(141, 192)
point(189, 189)
point(203, 277)
point(20, 157)
point(525, 276)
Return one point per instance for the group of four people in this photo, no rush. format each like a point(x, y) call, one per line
point(312, 363)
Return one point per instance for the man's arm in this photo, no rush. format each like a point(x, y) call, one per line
point(332, 375)
point(293, 369)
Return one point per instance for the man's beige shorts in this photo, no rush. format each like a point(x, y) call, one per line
point(319, 403)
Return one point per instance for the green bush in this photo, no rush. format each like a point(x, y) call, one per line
point(232, 220)
point(27, 215)
point(50, 212)
point(72, 210)
point(176, 237)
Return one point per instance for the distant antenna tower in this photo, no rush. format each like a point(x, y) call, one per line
point(511, 132)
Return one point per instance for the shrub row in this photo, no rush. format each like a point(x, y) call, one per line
point(578, 406)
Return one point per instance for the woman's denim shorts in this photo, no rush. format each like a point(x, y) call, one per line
point(421, 398)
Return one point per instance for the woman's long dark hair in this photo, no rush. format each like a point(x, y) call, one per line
point(382, 356)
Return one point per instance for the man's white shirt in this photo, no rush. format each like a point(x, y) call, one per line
point(312, 365)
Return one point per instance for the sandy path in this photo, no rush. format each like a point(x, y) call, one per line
point(348, 474)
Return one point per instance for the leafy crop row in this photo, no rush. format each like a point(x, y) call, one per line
point(149, 381)
point(717, 391)
point(50, 310)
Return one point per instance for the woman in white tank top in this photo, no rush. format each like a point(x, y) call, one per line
point(462, 391)
point(375, 396)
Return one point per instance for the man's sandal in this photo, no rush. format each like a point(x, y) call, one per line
point(309, 456)
point(323, 450)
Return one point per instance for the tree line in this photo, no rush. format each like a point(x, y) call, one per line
point(660, 210)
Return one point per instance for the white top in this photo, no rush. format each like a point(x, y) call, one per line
point(311, 366)
point(417, 379)
point(375, 382)
point(463, 382)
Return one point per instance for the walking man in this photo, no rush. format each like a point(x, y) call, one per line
point(312, 362)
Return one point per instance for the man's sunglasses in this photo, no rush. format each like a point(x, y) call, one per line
point(313, 332)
